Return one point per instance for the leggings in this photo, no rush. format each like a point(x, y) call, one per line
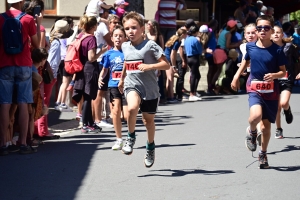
point(194, 64)
point(180, 79)
point(87, 117)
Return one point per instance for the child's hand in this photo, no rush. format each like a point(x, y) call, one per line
point(268, 77)
point(235, 84)
point(144, 67)
point(298, 76)
point(121, 86)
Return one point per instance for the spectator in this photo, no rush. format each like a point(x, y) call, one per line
point(239, 12)
point(103, 37)
point(294, 22)
point(258, 7)
point(86, 81)
point(167, 15)
point(153, 33)
point(96, 7)
point(296, 37)
point(279, 21)
point(263, 10)
point(120, 8)
point(16, 73)
point(286, 28)
point(252, 12)
point(113, 21)
point(59, 31)
point(270, 11)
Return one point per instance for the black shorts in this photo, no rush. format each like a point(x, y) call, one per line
point(285, 85)
point(149, 106)
point(105, 80)
point(62, 69)
point(116, 94)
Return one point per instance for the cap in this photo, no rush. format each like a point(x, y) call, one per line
point(121, 2)
point(61, 26)
point(13, 1)
point(189, 23)
point(203, 29)
point(231, 23)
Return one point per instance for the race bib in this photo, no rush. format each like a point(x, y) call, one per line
point(132, 66)
point(285, 77)
point(262, 86)
point(116, 75)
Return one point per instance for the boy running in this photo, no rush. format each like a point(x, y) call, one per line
point(142, 58)
point(267, 65)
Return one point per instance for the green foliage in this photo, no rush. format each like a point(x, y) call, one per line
point(295, 15)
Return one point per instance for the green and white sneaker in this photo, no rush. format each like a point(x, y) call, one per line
point(128, 146)
point(118, 145)
point(149, 158)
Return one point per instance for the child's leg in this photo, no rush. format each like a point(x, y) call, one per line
point(148, 120)
point(255, 116)
point(116, 115)
point(278, 117)
point(265, 127)
point(134, 101)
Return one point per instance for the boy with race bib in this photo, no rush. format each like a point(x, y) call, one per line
point(267, 65)
point(138, 82)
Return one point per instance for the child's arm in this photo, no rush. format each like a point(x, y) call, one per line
point(271, 76)
point(162, 64)
point(235, 84)
point(101, 76)
point(121, 82)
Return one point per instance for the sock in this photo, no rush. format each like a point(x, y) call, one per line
point(131, 135)
point(263, 152)
point(119, 139)
point(253, 132)
point(150, 146)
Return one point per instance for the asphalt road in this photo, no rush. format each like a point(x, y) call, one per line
point(200, 154)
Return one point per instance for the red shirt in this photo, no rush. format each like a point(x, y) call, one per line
point(22, 59)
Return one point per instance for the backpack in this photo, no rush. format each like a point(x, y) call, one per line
point(12, 34)
point(72, 59)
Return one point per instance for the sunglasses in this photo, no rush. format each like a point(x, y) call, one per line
point(266, 28)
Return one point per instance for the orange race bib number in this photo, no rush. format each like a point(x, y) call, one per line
point(285, 77)
point(116, 75)
point(262, 86)
point(132, 66)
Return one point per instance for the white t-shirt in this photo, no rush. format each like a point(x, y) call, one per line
point(101, 31)
point(94, 8)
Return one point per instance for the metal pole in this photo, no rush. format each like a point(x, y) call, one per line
point(213, 11)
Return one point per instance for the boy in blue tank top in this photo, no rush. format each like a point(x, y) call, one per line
point(267, 65)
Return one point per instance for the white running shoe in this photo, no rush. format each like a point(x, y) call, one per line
point(118, 145)
point(104, 124)
point(194, 98)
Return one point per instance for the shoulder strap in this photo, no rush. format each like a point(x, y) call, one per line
point(84, 36)
point(22, 14)
point(4, 15)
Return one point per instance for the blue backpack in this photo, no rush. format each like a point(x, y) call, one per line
point(12, 34)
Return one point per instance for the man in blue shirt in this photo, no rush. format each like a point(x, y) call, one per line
point(296, 37)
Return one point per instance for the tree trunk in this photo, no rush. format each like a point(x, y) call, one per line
point(136, 5)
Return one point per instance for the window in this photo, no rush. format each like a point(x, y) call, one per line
point(50, 7)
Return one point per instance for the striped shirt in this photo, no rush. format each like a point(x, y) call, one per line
point(167, 13)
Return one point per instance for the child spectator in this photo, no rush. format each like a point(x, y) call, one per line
point(120, 7)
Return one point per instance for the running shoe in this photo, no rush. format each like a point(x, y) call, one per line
point(288, 115)
point(57, 106)
point(64, 108)
point(90, 129)
point(250, 140)
point(198, 94)
point(25, 149)
point(172, 100)
point(195, 98)
point(263, 161)
point(104, 123)
point(279, 133)
point(118, 145)
point(13, 148)
point(149, 158)
point(3, 151)
point(128, 146)
point(78, 116)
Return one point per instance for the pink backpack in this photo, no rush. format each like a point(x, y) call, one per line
point(72, 59)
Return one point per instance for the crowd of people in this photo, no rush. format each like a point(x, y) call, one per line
point(122, 65)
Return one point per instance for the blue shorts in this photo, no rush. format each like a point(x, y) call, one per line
point(269, 107)
point(16, 85)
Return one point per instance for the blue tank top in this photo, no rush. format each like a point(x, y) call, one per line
point(222, 39)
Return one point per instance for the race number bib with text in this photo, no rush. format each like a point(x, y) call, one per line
point(285, 77)
point(116, 75)
point(132, 66)
point(262, 86)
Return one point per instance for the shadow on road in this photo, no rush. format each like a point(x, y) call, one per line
point(168, 145)
point(179, 173)
point(286, 168)
point(288, 148)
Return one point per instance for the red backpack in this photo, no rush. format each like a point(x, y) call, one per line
point(72, 59)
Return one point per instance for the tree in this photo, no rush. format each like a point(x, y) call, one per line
point(295, 15)
point(136, 5)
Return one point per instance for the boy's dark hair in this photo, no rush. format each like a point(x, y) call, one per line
point(119, 27)
point(267, 18)
point(38, 55)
